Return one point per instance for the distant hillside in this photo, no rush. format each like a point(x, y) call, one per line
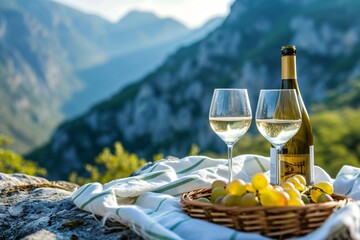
point(44, 45)
point(35, 76)
point(136, 60)
point(167, 110)
point(138, 30)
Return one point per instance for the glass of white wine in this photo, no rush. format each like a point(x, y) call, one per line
point(278, 119)
point(230, 117)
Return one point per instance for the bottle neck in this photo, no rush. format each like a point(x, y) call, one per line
point(288, 67)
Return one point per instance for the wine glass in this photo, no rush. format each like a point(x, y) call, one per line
point(230, 117)
point(278, 119)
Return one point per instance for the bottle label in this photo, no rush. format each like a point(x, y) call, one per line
point(292, 164)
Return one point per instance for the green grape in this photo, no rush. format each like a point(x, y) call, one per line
point(250, 188)
point(259, 181)
point(286, 197)
point(288, 185)
point(293, 193)
point(216, 193)
point(323, 198)
point(267, 188)
point(219, 200)
point(236, 187)
point(267, 198)
point(314, 194)
point(231, 200)
point(298, 185)
point(203, 199)
point(301, 179)
point(301, 187)
point(273, 197)
point(325, 186)
point(249, 199)
point(296, 202)
point(293, 180)
point(305, 199)
point(218, 183)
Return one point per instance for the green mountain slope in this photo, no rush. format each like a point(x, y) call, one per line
point(167, 110)
point(43, 46)
point(137, 60)
point(35, 78)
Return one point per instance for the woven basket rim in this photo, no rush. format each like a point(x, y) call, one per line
point(186, 199)
point(275, 222)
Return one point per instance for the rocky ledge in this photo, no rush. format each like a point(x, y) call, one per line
point(34, 208)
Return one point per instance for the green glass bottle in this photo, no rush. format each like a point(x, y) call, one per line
point(297, 156)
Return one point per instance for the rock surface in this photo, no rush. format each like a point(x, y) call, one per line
point(34, 208)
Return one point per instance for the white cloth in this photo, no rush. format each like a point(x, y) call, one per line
point(149, 202)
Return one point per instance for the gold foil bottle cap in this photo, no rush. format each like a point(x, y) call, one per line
point(288, 62)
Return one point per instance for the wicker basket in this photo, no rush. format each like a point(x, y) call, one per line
point(273, 222)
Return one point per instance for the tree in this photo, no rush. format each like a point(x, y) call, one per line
point(110, 166)
point(337, 139)
point(11, 162)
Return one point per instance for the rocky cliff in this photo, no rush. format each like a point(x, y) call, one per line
point(44, 46)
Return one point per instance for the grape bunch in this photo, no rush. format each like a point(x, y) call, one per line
point(259, 192)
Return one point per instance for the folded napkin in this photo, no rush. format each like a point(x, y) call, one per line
point(149, 203)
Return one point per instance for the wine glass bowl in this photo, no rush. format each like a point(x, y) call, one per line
point(278, 131)
point(278, 118)
point(230, 117)
point(230, 129)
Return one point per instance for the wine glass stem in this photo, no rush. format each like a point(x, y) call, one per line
point(230, 164)
point(278, 173)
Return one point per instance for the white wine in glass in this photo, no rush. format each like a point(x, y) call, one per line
point(278, 119)
point(278, 131)
point(230, 117)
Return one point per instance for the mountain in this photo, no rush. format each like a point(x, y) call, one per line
point(44, 46)
point(138, 58)
point(79, 35)
point(167, 110)
point(35, 76)
point(139, 30)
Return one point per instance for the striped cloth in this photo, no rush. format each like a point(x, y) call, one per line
point(149, 203)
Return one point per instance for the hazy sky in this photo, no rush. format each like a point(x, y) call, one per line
point(192, 13)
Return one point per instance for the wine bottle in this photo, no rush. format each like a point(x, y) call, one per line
point(297, 156)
